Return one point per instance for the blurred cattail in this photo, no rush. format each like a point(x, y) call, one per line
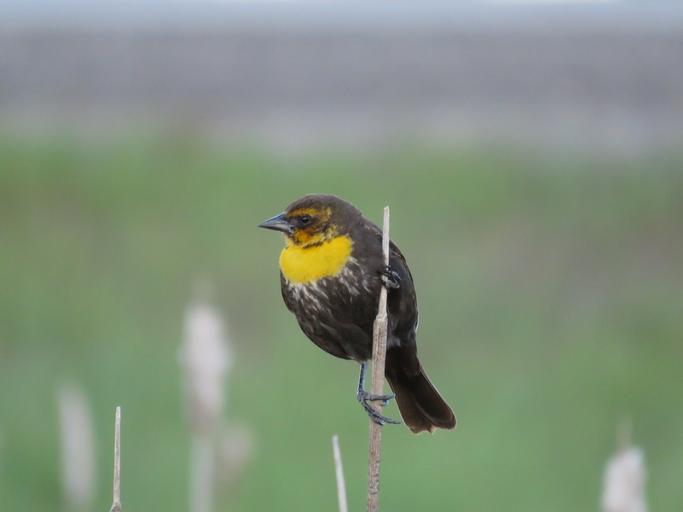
point(624, 482)
point(206, 358)
point(78, 454)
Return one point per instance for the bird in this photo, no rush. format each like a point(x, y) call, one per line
point(331, 273)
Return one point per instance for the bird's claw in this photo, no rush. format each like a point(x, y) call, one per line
point(364, 398)
point(390, 277)
point(363, 395)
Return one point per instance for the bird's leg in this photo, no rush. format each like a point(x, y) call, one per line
point(390, 277)
point(364, 398)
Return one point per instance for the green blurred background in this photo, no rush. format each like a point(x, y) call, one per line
point(550, 291)
point(532, 158)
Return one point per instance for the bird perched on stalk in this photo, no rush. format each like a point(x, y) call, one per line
point(331, 272)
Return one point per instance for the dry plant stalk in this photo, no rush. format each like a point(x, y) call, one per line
point(339, 472)
point(202, 474)
point(116, 502)
point(379, 352)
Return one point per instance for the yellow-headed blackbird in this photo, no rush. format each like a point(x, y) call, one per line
point(331, 272)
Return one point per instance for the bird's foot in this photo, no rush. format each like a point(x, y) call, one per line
point(390, 277)
point(364, 398)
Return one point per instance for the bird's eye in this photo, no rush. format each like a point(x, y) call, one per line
point(305, 219)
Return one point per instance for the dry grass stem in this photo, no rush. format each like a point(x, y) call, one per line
point(202, 474)
point(116, 502)
point(339, 472)
point(379, 350)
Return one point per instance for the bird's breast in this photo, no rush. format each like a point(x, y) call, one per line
point(307, 265)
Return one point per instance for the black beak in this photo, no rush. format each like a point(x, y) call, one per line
point(278, 223)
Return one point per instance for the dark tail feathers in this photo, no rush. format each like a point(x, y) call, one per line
point(420, 404)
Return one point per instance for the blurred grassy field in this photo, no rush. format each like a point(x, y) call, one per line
point(551, 296)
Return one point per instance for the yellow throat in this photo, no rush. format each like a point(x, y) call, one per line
point(302, 265)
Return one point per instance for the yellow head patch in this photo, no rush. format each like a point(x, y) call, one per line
point(311, 235)
point(302, 265)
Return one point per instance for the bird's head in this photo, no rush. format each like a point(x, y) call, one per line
point(313, 219)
